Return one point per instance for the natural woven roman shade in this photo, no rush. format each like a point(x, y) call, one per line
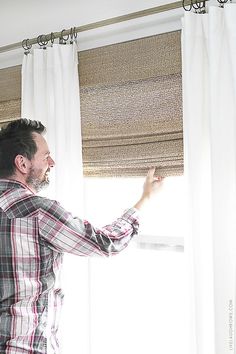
point(131, 106)
point(10, 91)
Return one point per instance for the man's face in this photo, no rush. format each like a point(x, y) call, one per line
point(38, 175)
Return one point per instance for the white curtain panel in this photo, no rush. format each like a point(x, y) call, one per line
point(50, 93)
point(209, 97)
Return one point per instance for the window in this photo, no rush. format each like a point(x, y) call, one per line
point(138, 303)
point(134, 302)
point(106, 199)
point(137, 299)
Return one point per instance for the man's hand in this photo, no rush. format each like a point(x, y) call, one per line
point(151, 186)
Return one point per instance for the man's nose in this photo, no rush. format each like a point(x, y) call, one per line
point(51, 162)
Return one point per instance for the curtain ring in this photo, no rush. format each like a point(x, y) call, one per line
point(185, 6)
point(26, 46)
point(222, 2)
point(63, 39)
point(203, 7)
point(42, 41)
point(73, 35)
point(196, 5)
point(52, 38)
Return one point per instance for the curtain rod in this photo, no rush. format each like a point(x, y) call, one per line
point(107, 22)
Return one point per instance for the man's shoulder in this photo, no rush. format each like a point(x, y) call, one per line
point(20, 204)
point(42, 203)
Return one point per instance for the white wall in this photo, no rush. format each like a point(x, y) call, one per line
point(28, 18)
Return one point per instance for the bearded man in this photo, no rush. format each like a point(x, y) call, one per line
point(34, 234)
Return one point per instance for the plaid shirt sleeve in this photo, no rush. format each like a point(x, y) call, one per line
point(64, 233)
point(35, 232)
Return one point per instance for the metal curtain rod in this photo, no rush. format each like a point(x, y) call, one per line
point(110, 21)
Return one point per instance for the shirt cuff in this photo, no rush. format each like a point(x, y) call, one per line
point(132, 215)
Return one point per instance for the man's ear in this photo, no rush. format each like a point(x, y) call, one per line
point(22, 164)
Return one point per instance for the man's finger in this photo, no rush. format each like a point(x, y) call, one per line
point(151, 173)
point(158, 179)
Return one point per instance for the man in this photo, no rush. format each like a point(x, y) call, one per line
point(34, 234)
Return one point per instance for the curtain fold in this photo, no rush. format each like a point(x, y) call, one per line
point(50, 93)
point(209, 96)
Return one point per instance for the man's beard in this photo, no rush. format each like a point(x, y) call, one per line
point(37, 181)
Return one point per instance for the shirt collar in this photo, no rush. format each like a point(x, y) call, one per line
point(6, 184)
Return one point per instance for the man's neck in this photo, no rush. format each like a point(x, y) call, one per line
point(21, 180)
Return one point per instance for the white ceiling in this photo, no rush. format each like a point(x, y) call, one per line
point(28, 18)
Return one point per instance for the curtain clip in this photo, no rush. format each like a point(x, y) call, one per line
point(63, 38)
point(26, 46)
point(42, 41)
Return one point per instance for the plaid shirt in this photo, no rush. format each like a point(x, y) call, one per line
point(34, 234)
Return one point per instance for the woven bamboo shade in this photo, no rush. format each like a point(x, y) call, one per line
point(131, 106)
point(10, 91)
